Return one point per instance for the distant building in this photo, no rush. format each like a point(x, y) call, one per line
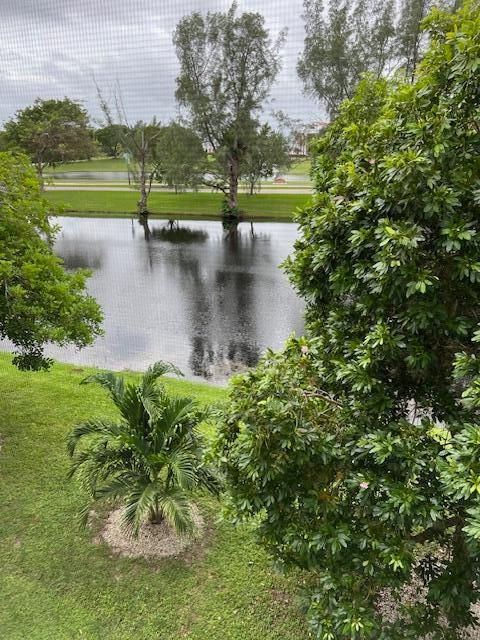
point(304, 134)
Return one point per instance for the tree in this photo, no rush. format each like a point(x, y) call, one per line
point(51, 131)
point(356, 448)
point(39, 301)
point(227, 66)
point(110, 139)
point(353, 38)
point(151, 457)
point(183, 161)
point(411, 37)
point(142, 144)
point(342, 43)
point(268, 151)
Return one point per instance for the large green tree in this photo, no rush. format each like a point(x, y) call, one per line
point(357, 448)
point(110, 139)
point(344, 40)
point(347, 39)
point(51, 131)
point(39, 301)
point(227, 66)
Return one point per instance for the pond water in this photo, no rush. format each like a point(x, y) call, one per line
point(209, 302)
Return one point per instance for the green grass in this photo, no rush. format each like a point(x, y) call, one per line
point(57, 584)
point(119, 164)
point(270, 206)
point(300, 168)
point(99, 164)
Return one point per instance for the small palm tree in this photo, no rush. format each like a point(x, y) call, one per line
point(151, 457)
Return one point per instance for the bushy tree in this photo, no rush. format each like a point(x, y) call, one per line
point(267, 152)
point(51, 131)
point(358, 448)
point(183, 158)
point(150, 458)
point(39, 301)
point(110, 139)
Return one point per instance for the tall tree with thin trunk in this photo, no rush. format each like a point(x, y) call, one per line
point(343, 41)
point(346, 39)
point(228, 63)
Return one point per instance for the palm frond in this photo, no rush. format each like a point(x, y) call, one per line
point(182, 466)
point(159, 369)
point(177, 511)
point(96, 427)
point(111, 382)
point(140, 502)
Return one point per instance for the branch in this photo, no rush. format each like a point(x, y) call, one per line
point(319, 394)
point(435, 529)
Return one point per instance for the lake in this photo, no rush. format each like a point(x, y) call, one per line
point(209, 302)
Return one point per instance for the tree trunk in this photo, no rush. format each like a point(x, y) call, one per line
point(142, 202)
point(233, 170)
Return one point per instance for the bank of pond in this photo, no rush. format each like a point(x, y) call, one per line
point(63, 582)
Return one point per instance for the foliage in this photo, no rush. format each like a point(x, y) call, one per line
point(86, 590)
point(227, 66)
point(276, 206)
point(51, 131)
point(110, 139)
point(268, 151)
point(141, 142)
point(350, 39)
point(152, 458)
point(183, 157)
point(343, 43)
point(39, 301)
point(357, 449)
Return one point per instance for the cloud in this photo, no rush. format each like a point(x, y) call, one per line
point(55, 49)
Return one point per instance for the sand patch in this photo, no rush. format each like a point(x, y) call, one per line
point(153, 541)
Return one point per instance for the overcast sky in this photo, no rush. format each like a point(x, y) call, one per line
point(56, 48)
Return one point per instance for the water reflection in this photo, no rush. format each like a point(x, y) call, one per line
point(207, 300)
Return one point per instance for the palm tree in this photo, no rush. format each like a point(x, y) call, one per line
point(151, 457)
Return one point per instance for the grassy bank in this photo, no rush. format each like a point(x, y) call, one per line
point(119, 164)
point(56, 583)
point(98, 164)
point(279, 207)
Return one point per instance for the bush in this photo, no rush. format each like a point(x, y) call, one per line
point(359, 449)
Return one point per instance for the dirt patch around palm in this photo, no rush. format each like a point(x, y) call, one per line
point(153, 541)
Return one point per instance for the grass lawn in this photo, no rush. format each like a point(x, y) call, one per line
point(99, 164)
point(269, 206)
point(56, 584)
point(300, 168)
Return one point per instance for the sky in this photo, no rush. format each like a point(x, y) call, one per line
point(57, 48)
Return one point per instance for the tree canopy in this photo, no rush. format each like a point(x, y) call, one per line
point(39, 301)
point(51, 131)
point(183, 158)
point(227, 66)
point(357, 447)
point(267, 151)
point(347, 39)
